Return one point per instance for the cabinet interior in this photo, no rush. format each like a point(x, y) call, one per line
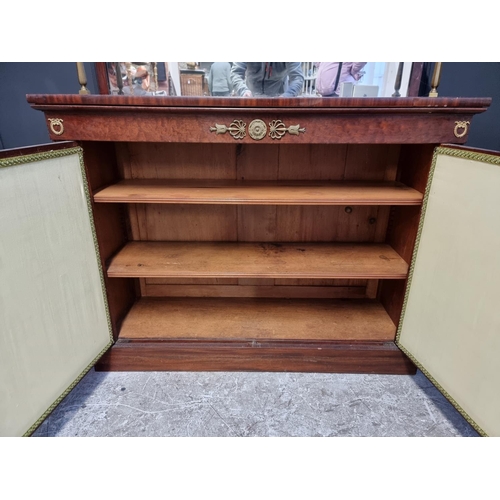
point(256, 241)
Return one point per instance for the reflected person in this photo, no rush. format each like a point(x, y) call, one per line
point(331, 75)
point(269, 79)
point(219, 79)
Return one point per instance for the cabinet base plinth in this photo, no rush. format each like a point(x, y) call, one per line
point(266, 356)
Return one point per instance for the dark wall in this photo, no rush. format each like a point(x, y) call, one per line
point(19, 124)
point(472, 80)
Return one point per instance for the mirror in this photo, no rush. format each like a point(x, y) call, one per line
point(234, 79)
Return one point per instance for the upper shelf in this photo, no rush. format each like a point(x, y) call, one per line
point(259, 193)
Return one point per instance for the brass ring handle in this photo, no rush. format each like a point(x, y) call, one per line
point(458, 126)
point(56, 122)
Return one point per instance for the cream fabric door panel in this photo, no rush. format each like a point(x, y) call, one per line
point(451, 320)
point(53, 315)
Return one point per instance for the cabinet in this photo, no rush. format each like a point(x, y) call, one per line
point(276, 234)
point(193, 83)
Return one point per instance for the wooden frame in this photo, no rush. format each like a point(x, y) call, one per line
point(209, 239)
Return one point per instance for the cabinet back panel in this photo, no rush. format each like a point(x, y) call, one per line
point(177, 161)
point(268, 291)
point(315, 223)
point(187, 222)
point(253, 223)
point(257, 162)
point(248, 290)
point(374, 162)
point(236, 281)
point(233, 287)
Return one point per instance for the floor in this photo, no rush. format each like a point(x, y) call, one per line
point(253, 404)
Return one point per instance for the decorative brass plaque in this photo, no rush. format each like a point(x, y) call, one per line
point(56, 125)
point(278, 129)
point(257, 130)
point(237, 129)
point(461, 125)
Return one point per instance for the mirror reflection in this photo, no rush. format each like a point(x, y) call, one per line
point(259, 79)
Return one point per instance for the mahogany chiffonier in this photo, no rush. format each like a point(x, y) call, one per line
point(325, 235)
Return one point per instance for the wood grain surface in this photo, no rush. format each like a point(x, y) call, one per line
point(249, 318)
point(259, 260)
point(427, 103)
point(325, 121)
point(277, 356)
point(242, 249)
point(259, 193)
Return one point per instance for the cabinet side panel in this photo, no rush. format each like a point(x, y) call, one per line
point(111, 224)
point(413, 170)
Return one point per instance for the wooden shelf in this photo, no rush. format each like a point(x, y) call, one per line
point(244, 319)
point(257, 260)
point(259, 193)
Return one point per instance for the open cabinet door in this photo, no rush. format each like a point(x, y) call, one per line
point(54, 319)
point(450, 326)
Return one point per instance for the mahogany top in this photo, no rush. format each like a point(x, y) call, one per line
point(450, 104)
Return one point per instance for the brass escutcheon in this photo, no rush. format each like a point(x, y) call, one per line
point(458, 126)
point(56, 122)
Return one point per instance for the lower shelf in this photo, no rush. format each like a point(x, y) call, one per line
point(257, 319)
point(235, 334)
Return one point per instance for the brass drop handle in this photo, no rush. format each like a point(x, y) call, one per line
point(56, 126)
point(463, 126)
